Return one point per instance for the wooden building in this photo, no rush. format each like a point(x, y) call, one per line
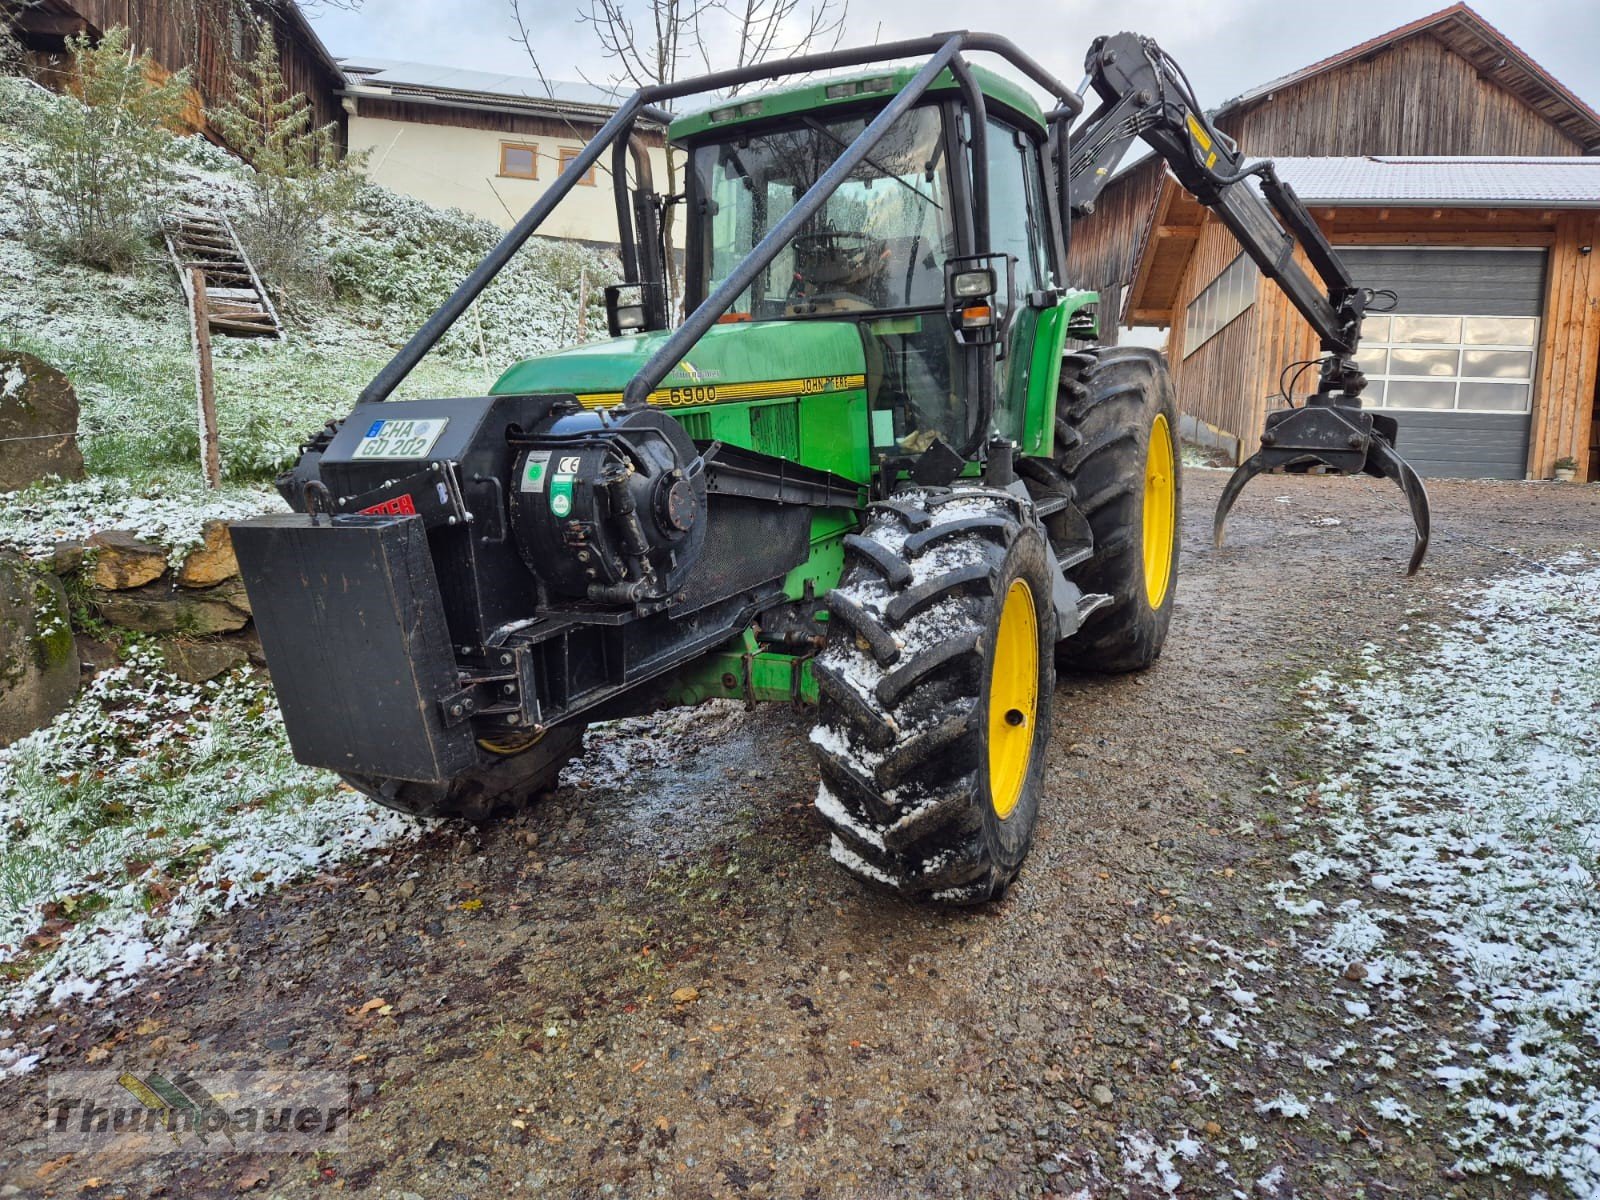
point(1448, 166)
point(211, 39)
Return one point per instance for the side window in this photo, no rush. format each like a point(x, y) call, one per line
point(1013, 167)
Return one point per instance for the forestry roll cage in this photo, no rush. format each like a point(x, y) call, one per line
point(638, 223)
point(1144, 95)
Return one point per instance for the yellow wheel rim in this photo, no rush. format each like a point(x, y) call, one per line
point(1160, 511)
point(1013, 698)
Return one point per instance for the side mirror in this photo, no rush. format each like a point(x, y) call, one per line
point(628, 307)
point(971, 287)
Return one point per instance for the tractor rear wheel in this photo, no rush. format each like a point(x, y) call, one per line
point(1116, 452)
point(498, 790)
point(935, 691)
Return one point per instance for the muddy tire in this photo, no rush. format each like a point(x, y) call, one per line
point(1116, 454)
point(935, 691)
point(499, 790)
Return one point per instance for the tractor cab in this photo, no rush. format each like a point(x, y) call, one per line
point(947, 320)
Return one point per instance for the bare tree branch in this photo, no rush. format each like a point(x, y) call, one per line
point(649, 42)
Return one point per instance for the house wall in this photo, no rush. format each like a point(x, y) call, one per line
point(1564, 404)
point(1219, 382)
point(1415, 97)
point(454, 162)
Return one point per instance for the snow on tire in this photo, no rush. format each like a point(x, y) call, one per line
point(904, 724)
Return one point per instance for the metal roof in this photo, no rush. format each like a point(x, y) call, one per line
point(1479, 181)
point(410, 80)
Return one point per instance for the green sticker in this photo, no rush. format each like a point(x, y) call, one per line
point(561, 495)
point(534, 473)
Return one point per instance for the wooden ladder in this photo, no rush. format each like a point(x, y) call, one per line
point(236, 303)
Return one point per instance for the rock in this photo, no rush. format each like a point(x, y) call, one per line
point(36, 401)
point(38, 658)
point(66, 557)
point(95, 654)
point(1101, 1095)
point(212, 561)
point(122, 561)
point(231, 592)
point(161, 608)
point(198, 661)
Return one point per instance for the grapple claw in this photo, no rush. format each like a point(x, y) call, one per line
point(1340, 436)
point(1382, 459)
point(1258, 463)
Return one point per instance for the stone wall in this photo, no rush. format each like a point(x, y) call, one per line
point(197, 609)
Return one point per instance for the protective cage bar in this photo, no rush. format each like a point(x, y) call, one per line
point(945, 51)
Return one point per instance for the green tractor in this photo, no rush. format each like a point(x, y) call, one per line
point(876, 468)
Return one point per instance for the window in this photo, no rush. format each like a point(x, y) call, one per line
point(878, 243)
point(1449, 363)
point(568, 153)
point(1013, 228)
point(1225, 297)
point(519, 160)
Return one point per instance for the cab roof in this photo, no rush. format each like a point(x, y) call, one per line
point(816, 94)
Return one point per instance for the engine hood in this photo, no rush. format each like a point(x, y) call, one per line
point(764, 352)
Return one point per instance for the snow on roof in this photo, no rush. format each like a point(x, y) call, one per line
point(410, 77)
point(1480, 180)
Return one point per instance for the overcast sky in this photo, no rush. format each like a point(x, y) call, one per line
point(1226, 46)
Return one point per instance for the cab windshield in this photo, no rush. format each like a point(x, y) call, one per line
point(879, 243)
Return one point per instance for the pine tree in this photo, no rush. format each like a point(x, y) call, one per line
point(299, 178)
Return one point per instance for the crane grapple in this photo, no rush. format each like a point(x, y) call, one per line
point(1342, 437)
point(1144, 94)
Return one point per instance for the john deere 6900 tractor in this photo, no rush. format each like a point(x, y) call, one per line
point(875, 467)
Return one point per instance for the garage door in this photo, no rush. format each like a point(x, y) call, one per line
point(1454, 361)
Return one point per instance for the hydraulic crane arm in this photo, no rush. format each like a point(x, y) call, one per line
point(1144, 95)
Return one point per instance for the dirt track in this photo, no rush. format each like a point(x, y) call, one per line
point(825, 1041)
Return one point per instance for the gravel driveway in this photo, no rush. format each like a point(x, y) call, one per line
point(657, 984)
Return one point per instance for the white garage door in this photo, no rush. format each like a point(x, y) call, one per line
point(1454, 362)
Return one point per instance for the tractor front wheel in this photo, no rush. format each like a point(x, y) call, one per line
point(935, 691)
point(500, 789)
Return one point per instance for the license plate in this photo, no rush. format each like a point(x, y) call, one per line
point(395, 438)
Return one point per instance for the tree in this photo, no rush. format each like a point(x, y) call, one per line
point(299, 177)
point(101, 163)
point(649, 42)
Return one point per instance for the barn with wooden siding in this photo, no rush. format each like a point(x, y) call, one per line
point(1447, 166)
point(211, 39)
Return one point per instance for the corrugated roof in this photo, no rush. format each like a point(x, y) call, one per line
point(1482, 180)
point(420, 79)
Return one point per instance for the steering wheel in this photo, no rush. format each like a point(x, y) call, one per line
point(833, 262)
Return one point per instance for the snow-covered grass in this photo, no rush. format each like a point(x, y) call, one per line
point(171, 514)
point(123, 339)
point(147, 806)
point(1464, 832)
